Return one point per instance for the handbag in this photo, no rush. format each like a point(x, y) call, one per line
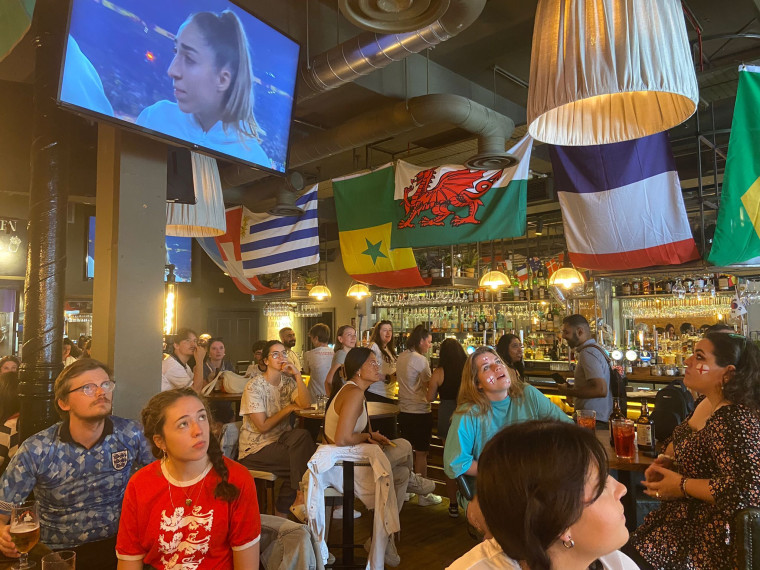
point(228, 381)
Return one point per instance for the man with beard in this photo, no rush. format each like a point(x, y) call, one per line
point(288, 339)
point(78, 469)
point(592, 371)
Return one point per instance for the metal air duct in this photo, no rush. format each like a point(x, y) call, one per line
point(369, 51)
point(392, 16)
point(286, 196)
point(492, 129)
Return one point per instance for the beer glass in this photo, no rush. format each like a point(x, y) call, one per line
point(25, 530)
point(63, 560)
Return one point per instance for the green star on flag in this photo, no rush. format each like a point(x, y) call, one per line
point(373, 250)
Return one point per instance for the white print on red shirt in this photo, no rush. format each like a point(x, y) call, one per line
point(189, 536)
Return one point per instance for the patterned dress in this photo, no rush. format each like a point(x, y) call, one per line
point(690, 534)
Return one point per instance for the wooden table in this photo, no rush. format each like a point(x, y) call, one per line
point(227, 397)
point(375, 410)
point(625, 469)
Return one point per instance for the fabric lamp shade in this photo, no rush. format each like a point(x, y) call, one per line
point(205, 218)
point(606, 71)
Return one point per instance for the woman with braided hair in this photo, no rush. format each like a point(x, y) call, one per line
point(193, 508)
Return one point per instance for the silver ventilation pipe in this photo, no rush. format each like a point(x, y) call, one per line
point(492, 129)
point(369, 51)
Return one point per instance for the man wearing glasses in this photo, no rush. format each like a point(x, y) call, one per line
point(78, 469)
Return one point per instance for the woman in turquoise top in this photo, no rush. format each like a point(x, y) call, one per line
point(491, 396)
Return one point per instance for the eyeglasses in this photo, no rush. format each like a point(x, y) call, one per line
point(91, 389)
point(374, 363)
point(276, 354)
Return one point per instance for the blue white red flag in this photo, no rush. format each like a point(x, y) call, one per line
point(225, 252)
point(522, 273)
point(622, 206)
point(276, 243)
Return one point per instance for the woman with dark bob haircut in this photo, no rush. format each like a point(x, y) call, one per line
point(549, 502)
point(711, 467)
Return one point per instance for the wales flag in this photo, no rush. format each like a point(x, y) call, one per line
point(364, 205)
point(737, 234)
point(447, 205)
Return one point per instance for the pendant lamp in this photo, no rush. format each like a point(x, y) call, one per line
point(358, 291)
point(566, 276)
point(205, 218)
point(606, 71)
point(319, 292)
point(494, 280)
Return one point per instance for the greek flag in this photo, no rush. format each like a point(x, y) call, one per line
point(274, 243)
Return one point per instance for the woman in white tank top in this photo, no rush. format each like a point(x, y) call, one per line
point(347, 423)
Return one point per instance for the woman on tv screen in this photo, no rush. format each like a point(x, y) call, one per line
point(213, 87)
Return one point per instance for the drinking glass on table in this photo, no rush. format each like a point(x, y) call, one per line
point(624, 434)
point(25, 530)
point(62, 560)
point(586, 418)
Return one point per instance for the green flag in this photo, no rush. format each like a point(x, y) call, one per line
point(15, 19)
point(452, 204)
point(737, 234)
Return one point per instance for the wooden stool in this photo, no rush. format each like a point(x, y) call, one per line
point(266, 479)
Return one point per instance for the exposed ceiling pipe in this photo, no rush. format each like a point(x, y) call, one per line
point(369, 51)
point(492, 128)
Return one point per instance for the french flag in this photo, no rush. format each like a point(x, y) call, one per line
point(622, 206)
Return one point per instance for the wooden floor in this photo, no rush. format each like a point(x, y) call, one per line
point(429, 537)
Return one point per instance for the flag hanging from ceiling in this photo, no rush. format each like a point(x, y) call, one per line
point(225, 252)
point(364, 205)
point(447, 205)
point(621, 203)
point(737, 233)
point(276, 243)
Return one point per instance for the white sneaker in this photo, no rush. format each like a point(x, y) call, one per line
point(418, 484)
point(391, 554)
point(338, 513)
point(429, 499)
point(408, 497)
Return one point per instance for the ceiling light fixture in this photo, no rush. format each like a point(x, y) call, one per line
point(566, 276)
point(358, 291)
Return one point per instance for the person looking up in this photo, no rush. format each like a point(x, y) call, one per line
point(318, 360)
point(288, 340)
point(710, 469)
point(415, 418)
point(267, 441)
point(445, 382)
point(216, 359)
point(382, 345)
point(213, 86)
point(592, 372)
point(346, 340)
point(9, 364)
point(548, 502)
point(80, 504)
point(9, 408)
point(175, 372)
point(193, 491)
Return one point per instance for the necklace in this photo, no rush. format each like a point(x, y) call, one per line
point(188, 500)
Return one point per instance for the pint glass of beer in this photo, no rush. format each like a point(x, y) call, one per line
point(25, 530)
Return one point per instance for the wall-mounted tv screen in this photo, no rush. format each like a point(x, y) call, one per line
point(205, 74)
point(178, 252)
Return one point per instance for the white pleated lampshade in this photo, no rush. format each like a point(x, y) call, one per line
point(205, 218)
point(605, 71)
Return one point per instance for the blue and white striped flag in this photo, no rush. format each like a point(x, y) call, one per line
point(274, 243)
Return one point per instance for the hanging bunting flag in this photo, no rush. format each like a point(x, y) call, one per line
point(555, 263)
point(448, 205)
point(225, 252)
point(522, 273)
point(364, 205)
point(738, 229)
point(622, 206)
point(276, 243)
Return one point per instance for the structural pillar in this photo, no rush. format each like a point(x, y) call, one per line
point(130, 254)
point(46, 257)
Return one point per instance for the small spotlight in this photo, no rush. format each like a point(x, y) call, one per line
point(540, 228)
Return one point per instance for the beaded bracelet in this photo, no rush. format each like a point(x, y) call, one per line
point(683, 487)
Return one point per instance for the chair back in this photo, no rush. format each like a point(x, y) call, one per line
point(747, 524)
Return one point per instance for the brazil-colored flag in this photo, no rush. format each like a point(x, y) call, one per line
point(737, 233)
point(446, 205)
point(364, 205)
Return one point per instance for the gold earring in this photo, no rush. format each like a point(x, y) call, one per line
point(569, 543)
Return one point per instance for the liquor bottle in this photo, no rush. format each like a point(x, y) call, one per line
point(645, 431)
point(617, 414)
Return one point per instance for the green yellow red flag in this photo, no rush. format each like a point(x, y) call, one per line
point(365, 209)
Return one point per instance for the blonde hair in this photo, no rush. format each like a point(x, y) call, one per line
point(226, 36)
point(471, 397)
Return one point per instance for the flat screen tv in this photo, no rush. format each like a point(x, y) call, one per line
point(204, 74)
point(178, 252)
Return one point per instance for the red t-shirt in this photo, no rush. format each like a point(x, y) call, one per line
point(158, 528)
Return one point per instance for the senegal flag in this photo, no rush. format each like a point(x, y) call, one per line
point(738, 229)
point(447, 205)
point(364, 204)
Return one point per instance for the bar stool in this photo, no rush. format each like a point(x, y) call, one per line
point(348, 559)
point(265, 479)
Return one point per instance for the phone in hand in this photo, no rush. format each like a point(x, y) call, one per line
point(558, 378)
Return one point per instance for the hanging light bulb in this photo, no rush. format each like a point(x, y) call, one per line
point(320, 292)
point(566, 276)
point(358, 291)
point(494, 280)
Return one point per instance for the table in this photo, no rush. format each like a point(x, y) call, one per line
point(227, 397)
point(35, 555)
point(375, 410)
point(625, 469)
